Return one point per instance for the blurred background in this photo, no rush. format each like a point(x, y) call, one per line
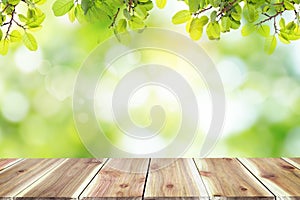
point(36, 118)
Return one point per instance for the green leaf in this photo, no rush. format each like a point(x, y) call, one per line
point(236, 13)
point(247, 29)
point(30, 42)
point(215, 3)
point(95, 14)
point(288, 5)
point(204, 20)
point(71, 15)
point(2, 18)
point(148, 6)
point(283, 39)
point(141, 12)
point(282, 23)
point(196, 28)
point(61, 7)
point(270, 44)
point(37, 20)
point(121, 26)
point(30, 13)
point(181, 17)
point(235, 24)
point(225, 24)
point(15, 36)
point(136, 23)
point(194, 5)
point(213, 16)
point(86, 5)
point(4, 47)
point(291, 25)
point(79, 14)
point(39, 2)
point(188, 25)
point(250, 13)
point(126, 14)
point(1, 34)
point(22, 18)
point(161, 3)
point(213, 31)
point(14, 2)
point(264, 30)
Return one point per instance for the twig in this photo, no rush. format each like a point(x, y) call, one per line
point(115, 18)
point(270, 18)
point(203, 10)
point(227, 8)
point(10, 22)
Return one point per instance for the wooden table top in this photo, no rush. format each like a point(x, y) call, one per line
point(209, 178)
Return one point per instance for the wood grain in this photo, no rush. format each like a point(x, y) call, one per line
point(293, 161)
point(65, 182)
point(227, 178)
point(174, 179)
point(280, 177)
point(119, 179)
point(4, 163)
point(16, 178)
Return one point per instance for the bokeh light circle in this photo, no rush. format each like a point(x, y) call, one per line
point(94, 135)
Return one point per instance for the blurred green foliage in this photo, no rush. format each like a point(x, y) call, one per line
point(36, 118)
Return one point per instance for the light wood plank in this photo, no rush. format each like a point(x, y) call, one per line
point(227, 178)
point(280, 177)
point(65, 182)
point(293, 161)
point(119, 179)
point(16, 178)
point(4, 163)
point(174, 179)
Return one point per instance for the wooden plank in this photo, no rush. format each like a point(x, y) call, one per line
point(174, 179)
point(16, 178)
point(227, 178)
point(280, 177)
point(119, 179)
point(65, 182)
point(293, 161)
point(4, 163)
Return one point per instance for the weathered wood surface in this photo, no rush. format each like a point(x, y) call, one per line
point(113, 183)
point(280, 177)
point(174, 178)
point(19, 176)
point(228, 178)
point(293, 161)
point(68, 180)
point(186, 179)
point(4, 163)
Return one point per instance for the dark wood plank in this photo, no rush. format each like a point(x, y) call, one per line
point(16, 178)
point(119, 179)
point(174, 179)
point(293, 161)
point(280, 177)
point(67, 181)
point(4, 163)
point(229, 179)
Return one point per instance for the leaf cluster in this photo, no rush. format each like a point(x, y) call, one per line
point(265, 17)
point(268, 18)
point(16, 24)
point(119, 14)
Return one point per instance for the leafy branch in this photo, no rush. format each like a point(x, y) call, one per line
point(227, 15)
point(214, 17)
point(17, 26)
